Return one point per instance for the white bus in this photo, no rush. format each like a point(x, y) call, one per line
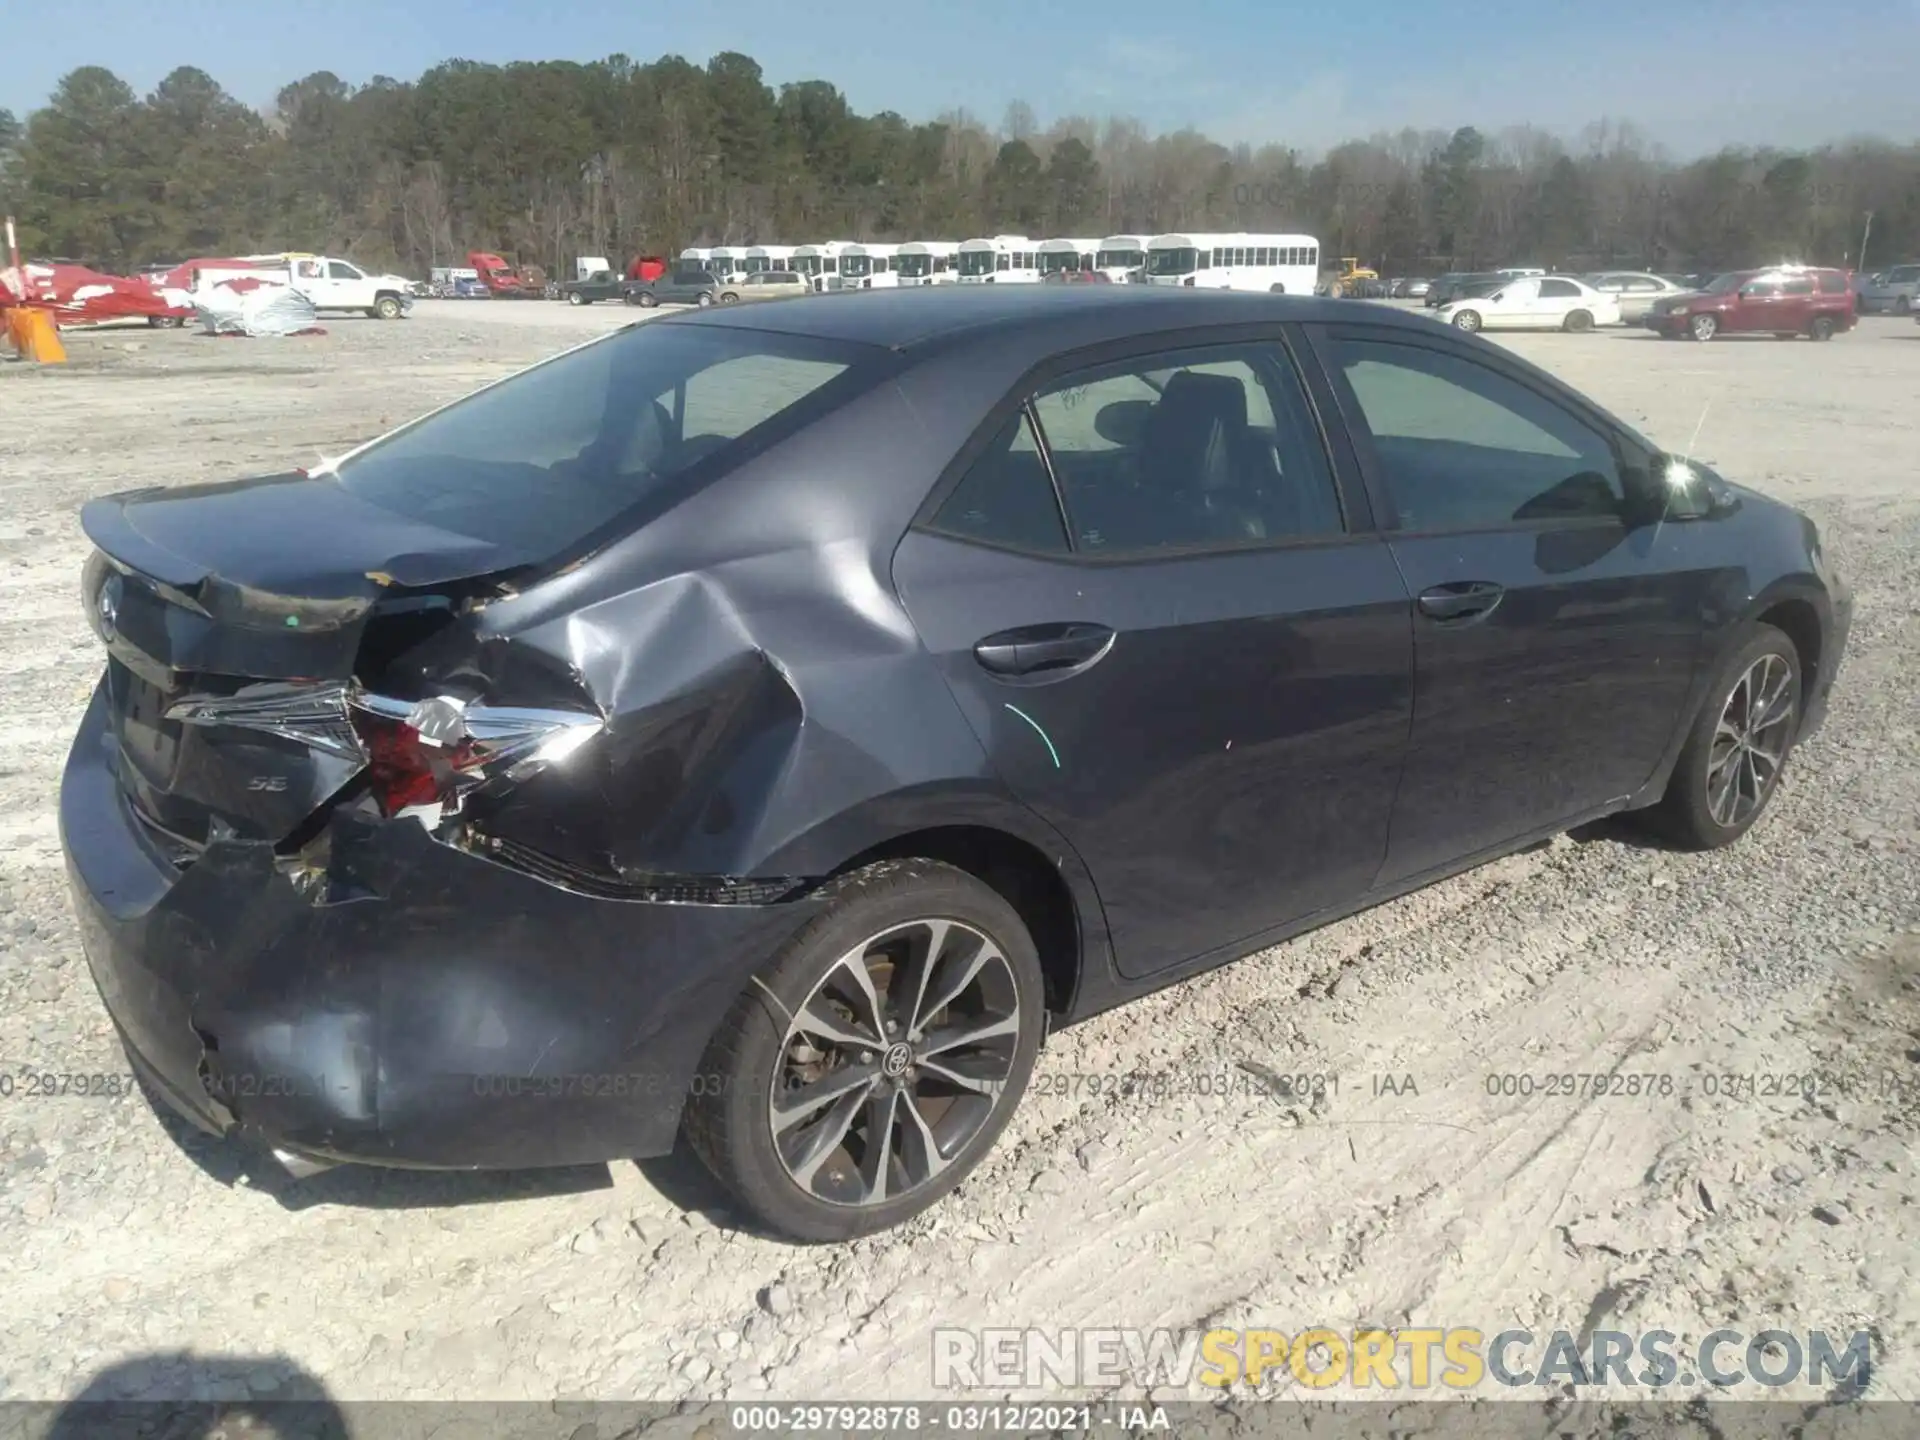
point(1118, 256)
point(998, 259)
point(725, 260)
point(761, 258)
point(926, 262)
point(819, 264)
point(1058, 255)
point(868, 267)
point(696, 255)
point(1282, 264)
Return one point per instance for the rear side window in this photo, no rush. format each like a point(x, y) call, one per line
point(1188, 449)
point(1006, 497)
point(1832, 283)
point(1460, 445)
point(546, 457)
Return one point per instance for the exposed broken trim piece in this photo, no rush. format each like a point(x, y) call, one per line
point(636, 886)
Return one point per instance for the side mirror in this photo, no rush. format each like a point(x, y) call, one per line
point(1692, 491)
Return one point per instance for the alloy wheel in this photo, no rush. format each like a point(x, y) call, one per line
point(1703, 327)
point(895, 1062)
point(1750, 741)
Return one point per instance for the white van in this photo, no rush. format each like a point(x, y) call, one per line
point(998, 259)
point(1056, 255)
point(868, 267)
point(1118, 256)
point(1279, 264)
point(926, 262)
point(819, 264)
point(759, 259)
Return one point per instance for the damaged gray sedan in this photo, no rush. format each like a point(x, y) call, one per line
point(760, 726)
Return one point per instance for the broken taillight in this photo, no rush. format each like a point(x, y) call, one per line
point(405, 770)
point(428, 754)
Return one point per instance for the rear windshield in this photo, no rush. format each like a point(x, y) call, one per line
point(547, 457)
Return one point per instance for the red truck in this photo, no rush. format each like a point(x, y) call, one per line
point(505, 281)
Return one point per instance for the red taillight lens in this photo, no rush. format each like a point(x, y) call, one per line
point(405, 770)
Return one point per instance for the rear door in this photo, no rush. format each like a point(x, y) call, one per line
point(1202, 678)
point(1556, 634)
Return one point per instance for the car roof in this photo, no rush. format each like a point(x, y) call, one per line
point(918, 316)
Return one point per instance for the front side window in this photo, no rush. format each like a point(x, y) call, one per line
point(1460, 445)
point(546, 457)
point(1211, 448)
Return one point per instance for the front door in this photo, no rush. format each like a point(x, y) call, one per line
point(1555, 633)
point(1202, 679)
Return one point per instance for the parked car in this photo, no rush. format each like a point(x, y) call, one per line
point(1891, 291)
point(1412, 289)
point(1545, 302)
point(766, 285)
point(1635, 291)
point(600, 285)
point(470, 287)
point(681, 284)
point(709, 731)
point(1452, 287)
point(1786, 301)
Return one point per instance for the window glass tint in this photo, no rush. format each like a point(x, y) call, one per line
point(546, 457)
point(1832, 284)
point(1459, 444)
point(1006, 497)
point(1757, 288)
point(1797, 285)
point(1559, 289)
point(1198, 448)
point(340, 270)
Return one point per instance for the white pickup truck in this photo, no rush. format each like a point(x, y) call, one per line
point(341, 285)
point(329, 283)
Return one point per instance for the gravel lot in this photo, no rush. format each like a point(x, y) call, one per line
point(135, 1249)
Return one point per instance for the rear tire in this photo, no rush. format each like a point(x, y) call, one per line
point(809, 1180)
point(1821, 328)
point(1578, 321)
point(1719, 786)
point(703, 300)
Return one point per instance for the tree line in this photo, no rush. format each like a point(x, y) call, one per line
point(545, 161)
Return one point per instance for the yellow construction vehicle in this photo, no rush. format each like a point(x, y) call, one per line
point(1349, 277)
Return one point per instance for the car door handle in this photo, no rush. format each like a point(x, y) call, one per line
point(1044, 651)
point(1461, 600)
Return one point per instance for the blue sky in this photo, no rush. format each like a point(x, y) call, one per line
point(1693, 75)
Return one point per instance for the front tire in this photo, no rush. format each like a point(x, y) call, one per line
point(1467, 320)
point(574, 297)
point(646, 300)
point(386, 307)
point(1703, 327)
point(875, 1061)
point(1729, 768)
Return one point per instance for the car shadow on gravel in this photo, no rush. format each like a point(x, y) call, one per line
point(178, 1395)
point(1623, 829)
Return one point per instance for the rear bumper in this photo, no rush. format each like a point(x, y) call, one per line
point(455, 1013)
